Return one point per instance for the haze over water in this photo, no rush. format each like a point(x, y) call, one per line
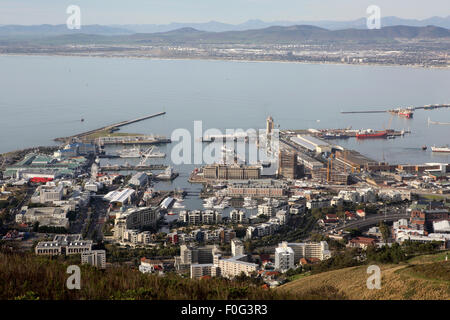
point(43, 97)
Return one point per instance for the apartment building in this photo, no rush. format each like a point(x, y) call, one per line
point(139, 217)
point(235, 266)
point(201, 270)
point(237, 247)
point(308, 250)
point(96, 258)
point(284, 257)
point(237, 216)
point(197, 217)
point(194, 255)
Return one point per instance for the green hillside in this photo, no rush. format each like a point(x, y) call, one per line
point(423, 277)
point(26, 276)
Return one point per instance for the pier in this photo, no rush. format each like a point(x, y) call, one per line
point(110, 128)
point(132, 140)
point(426, 107)
point(132, 168)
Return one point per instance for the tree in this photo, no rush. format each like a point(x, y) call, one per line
point(316, 213)
point(36, 226)
point(385, 232)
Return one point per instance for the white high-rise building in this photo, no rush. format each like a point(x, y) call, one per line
point(237, 247)
point(318, 250)
point(284, 257)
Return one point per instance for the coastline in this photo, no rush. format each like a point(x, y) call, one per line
point(225, 60)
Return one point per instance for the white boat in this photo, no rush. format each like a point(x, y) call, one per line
point(249, 203)
point(151, 153)
point(209, 203)
point(440, 149)
point(178, 205)
point(168, 174)
point(130, 153)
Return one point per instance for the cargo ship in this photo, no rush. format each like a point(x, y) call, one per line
point(440, 149)
point(369, 133)
point(406, 113)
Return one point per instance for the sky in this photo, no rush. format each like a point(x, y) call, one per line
point(105, 12)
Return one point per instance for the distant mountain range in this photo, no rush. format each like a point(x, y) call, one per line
point(270, 35)
point(212, 26)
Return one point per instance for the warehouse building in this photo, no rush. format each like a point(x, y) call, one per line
point(312, 143)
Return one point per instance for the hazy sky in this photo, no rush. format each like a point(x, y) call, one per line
point(230, 11)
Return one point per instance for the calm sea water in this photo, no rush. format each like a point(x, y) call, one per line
point(45, 97)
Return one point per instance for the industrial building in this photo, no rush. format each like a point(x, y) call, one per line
point(312, 143)
point(120, 196)
point(330, 176)
point(288, 167)
point(139, 179)
point(309, 162)
point(44, 166)
point(351, 161)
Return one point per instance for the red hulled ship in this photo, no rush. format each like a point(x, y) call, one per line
point(369, 133)
point(406, 113)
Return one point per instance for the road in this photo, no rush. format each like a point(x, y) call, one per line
point(26, 199)
point(372, 220)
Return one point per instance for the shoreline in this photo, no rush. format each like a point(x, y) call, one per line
point(224, 60)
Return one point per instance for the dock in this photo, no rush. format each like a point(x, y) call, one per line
point(132, 168)
point(426, 107)
point(110, 128)
point(132, 140)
